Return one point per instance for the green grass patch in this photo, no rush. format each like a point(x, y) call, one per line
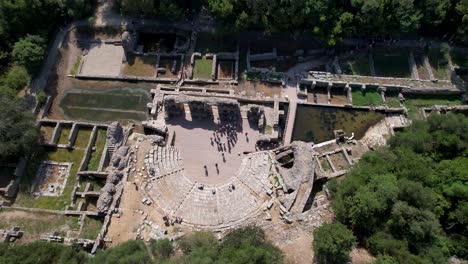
point(391, 63)
point(91, 228)
point(415, 103)
point(203, 69)
point(93, 163)
point(47, 131)
point(393, 102)
point(76, 66)
point(26, 199)
point(97, 183)
point(325, 165)
point(357, 66)
point(439, 64)
point(64, 134)
point(366, 97)
point(34, 223)
point(82, 137)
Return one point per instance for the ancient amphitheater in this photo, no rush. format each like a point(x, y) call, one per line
point(204, 205)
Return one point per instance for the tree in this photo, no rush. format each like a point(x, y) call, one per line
point(40, 253)
point(130, 252)
point(29, 52)
point(333, 243)
point(18, 133)
point(162, 248)
point(221, 8)
point(385, 259)
point(16, 78)
point(248, 245)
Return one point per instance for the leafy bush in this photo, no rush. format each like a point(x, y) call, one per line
point(16, 78)
point(333, 243)
point(130, 252)
point(41, 97)
point(29, 52)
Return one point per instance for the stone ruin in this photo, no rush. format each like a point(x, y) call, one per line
point(11, 235)
point(256, 113)
point(51, 178)
point(202, 107)
point(117, 164)
point(129, 43)
point(303, 165)
point(114, 133)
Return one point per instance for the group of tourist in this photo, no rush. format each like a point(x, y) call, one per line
point(229, 131)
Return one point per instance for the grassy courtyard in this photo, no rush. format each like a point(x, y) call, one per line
point(35, 224)
point(91, 228)
point(82, 137)
point(415, 103)
point(202, 69)
point(366, 97)
point(26, 199)
point(93, 163)
point(439, 64)
point(64, 134)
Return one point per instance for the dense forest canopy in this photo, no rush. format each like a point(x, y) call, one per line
point(409, 201)
point(328, 20)
point(25, 27)
point(18, 132)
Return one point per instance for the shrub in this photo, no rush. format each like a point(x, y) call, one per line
point(333, 243)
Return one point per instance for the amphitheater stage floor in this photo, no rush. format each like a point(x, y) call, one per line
point(196, 141)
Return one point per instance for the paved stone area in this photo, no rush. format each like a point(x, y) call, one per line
point(204, 143)
point(51, 178)
point(103, 59)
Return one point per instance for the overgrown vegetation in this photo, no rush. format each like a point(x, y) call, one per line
point(333, 243)
point(40, 253)
point(25, 27)
point(327, 20)
point(408, 202)
point(244, 245)
point(18, 133)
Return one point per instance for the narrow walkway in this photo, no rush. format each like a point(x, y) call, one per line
point(290, 122)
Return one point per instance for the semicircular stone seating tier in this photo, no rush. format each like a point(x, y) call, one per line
point(213, 206)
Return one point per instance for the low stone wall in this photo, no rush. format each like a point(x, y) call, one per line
point(56, 134)
point(72, 136)
point(124, 78)
point(104, 158)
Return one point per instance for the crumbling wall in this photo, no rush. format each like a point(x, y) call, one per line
point(302, 169)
